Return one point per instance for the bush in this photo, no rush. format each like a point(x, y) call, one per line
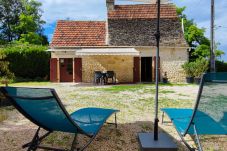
point(4, 68)
point(189, 68)
point(28, 61)
point(201, 66)
point(221, 66)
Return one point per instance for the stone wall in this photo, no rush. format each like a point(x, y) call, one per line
point(171, 60)
point(140, 32)
point(121, 65)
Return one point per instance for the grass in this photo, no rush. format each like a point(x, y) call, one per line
point(34, 83)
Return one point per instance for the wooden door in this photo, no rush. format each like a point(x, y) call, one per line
point(136, 70)
point(53, 70)
point(78, 69)
point(66, 70)
point(154, 68)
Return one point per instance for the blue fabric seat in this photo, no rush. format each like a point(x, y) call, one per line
point(209, 116)
point(91, 120)
point(43, 107)
point(180, 117)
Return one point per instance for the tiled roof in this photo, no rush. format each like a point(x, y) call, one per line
point(142, 11)
point(79, 33)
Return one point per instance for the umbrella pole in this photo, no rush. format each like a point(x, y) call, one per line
point(156, 141)
point(157, 36)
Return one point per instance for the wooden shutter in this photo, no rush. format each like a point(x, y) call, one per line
point(53, 69)
point(78, 69)
point(136, 70)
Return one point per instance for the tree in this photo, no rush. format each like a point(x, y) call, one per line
point(196, 38)
point(203, 51)
point(30, 19)
point(33, 38)
point(23, 22)
point(10, 11)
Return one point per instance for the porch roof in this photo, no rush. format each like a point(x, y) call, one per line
point(100, 51)
point(108, 51)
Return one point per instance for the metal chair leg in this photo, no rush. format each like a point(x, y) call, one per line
point(163, 114)
point(34, 142)
point(197, 139)
point(88, 143)
point(185, 143)
point(74, 143)
point(115, 120)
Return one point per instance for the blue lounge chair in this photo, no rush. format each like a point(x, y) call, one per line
point(43, 107)
point(209, 116)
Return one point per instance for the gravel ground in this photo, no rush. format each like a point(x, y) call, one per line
point(136, 103)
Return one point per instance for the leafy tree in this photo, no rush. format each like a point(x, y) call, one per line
point(203, 51)
point(33, 38)
point(196, 38)
point(30, 19)
point(24, 20)
point(10, 11)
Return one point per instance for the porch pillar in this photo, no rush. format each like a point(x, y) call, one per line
point(73, 70)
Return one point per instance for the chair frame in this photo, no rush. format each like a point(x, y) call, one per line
point(36, 140)
point(197, 138)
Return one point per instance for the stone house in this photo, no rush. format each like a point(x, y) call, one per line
point(124, 43)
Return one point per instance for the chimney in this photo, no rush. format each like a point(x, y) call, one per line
point(110, 5)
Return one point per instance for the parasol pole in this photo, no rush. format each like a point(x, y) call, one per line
point(157, 36)
point(156, 141)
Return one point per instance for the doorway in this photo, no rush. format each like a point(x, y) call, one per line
point(146, 69)
point(66, 70)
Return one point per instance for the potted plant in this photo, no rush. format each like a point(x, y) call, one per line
point(189, 68)
point(201, 66)
point(165, 78)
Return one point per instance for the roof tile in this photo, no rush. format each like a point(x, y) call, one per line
point(142, 11)
point(79, 33)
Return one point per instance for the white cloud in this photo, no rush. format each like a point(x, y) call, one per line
point(73, 9)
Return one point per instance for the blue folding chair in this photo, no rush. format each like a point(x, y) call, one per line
point(209, 116)
point(43, 107)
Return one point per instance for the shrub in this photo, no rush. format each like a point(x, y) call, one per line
point(28, 61)
point(4, 68)
point(189, 68)
point(221, 66)
point(201, 66)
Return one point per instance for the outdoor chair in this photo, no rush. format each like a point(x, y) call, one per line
point(98, 77)
point(209, 116)
point(43, 107)
point(110, 75)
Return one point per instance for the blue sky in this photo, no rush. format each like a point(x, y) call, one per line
point(199, 10)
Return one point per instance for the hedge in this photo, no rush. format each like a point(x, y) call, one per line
point(221, 66)
point(28, 61)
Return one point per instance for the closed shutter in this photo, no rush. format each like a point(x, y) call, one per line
point(53, 69)
point(136, 70)
point(78, 69)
